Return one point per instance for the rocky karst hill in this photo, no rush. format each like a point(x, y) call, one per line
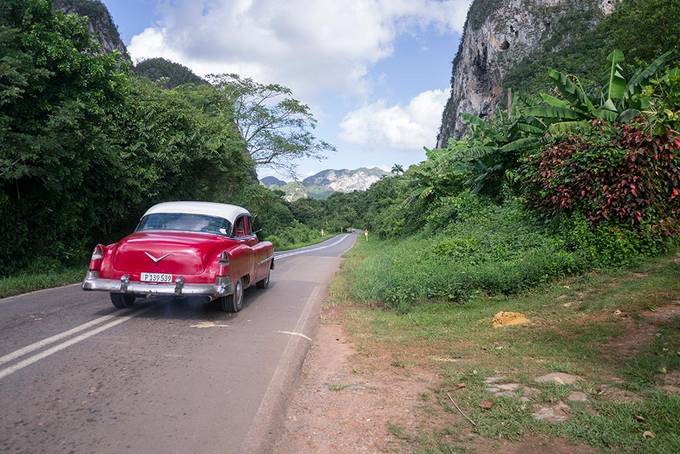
point(345, 180)
point(166, 72)
point(102, 27)
point(100, 23)
point(499, 35)
point(326, 182)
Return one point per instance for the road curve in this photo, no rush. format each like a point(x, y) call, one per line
point(169, 376)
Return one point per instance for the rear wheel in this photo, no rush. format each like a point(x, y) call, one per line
point(264, 283)
point(233, 302)
point(122, 300)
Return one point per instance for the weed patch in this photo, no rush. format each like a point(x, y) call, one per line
point(499, 252)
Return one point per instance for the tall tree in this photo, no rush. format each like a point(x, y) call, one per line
point(277, 128)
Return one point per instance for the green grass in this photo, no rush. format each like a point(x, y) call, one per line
point(398, 431)
point(574, 327)
point(500, 250)
point(28, 282)
point(297, 235)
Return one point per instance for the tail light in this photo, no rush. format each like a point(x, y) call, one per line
point(223, 264)
point(96, 259)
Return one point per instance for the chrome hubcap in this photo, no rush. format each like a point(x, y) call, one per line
point(239, 294)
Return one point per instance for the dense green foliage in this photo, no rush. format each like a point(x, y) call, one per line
point(487, 248)
point(86, 145)
point(642, 29)
point(558, 184)
point(54, 90)
point(586, 175)
point(609, 174)
point(167, 73)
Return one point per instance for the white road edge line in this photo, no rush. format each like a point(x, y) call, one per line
point(292, 333)
point(335, 243)
point(277, 379)
point(57, 348)
point(52, 339)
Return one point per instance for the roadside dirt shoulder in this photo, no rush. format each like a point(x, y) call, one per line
point(347, 402)
point(351, 399)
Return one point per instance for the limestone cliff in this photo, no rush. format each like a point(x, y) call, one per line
point(499, 34)
point(100, 23)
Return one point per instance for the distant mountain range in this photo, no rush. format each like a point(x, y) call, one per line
point(323, 184)
point(272, 182)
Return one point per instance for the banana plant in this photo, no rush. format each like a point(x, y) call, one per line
point(623, 102)
point(493, 146)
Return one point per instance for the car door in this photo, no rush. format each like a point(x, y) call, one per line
point(243, 234)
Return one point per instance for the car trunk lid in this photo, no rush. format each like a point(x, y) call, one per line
point(177, 253)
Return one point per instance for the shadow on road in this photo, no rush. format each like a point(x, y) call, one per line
point(188, 307)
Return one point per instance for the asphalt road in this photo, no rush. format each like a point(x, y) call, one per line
point(169, 376)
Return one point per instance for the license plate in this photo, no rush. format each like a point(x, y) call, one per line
point(156, 277)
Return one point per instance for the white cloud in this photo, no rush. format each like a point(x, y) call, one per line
point(409, 127)
point(309, 45)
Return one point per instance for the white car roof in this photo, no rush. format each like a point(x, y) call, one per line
point(221, 210)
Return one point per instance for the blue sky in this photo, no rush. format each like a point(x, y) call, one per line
point(375, 72)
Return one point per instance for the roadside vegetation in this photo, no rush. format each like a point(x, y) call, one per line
point(617, 331)
point(564, 209)
point(569, 182)
point(88, 144)
point(30, 280)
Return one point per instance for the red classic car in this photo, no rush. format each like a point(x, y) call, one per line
point(184, 248)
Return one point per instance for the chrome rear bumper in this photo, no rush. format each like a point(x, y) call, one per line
point(222, 287)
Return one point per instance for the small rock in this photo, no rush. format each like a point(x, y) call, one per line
point(486, 404)
point(504, 389)
point(509, 386)
point(558, 378)
point(498, 393)
point(577, 396)
point(639, 418)
point(647, 434)
point(671, 389)
point(494, 379)
point(618, 394)
point(461, 385)
point(555, 413)
point(530, 392)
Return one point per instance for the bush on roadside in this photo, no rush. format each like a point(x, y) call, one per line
point(623, 180)
point(501, 250)
point(297, 234)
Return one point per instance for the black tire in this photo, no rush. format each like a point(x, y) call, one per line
point(264, 283)
point(233, 302)
point(122, 300)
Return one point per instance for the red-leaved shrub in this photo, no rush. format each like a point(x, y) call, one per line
point(609, 173)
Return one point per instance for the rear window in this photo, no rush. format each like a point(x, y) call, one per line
point(185, 222)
